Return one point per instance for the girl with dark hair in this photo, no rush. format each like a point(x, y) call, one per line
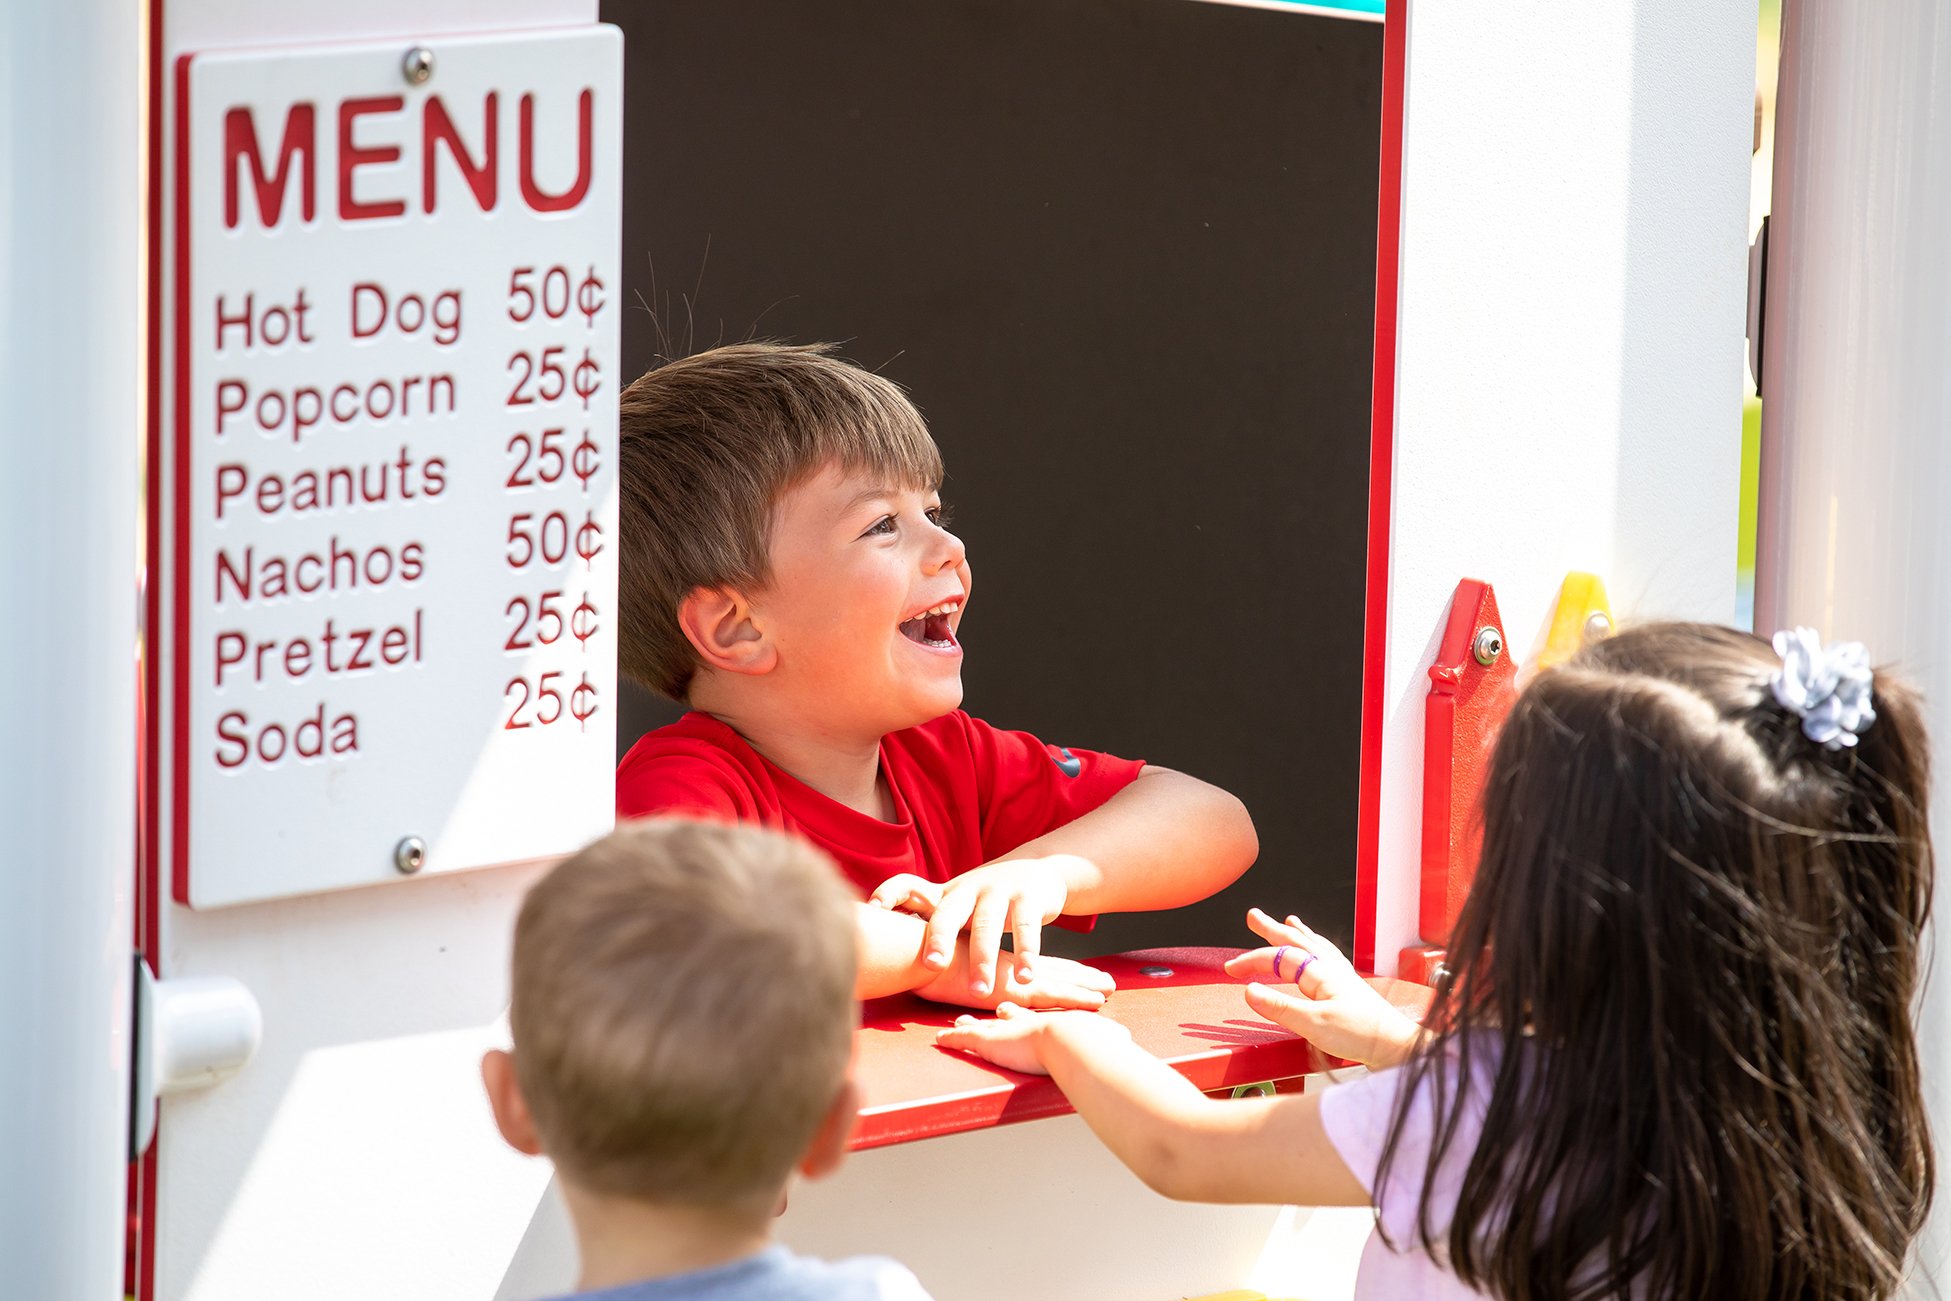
point(1673, 1056)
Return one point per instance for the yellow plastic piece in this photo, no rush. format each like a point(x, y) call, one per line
point(1583, 614)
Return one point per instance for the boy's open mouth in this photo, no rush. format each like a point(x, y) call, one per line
point(931, 627)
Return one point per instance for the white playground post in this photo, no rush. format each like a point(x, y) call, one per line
point(70, 308)
point(1855, 470)
point(1574, 191)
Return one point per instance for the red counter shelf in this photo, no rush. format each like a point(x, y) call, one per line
point(1195, 1018)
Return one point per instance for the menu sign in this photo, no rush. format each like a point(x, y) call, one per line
point(390, 537)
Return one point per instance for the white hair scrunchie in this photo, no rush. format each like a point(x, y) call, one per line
point(1827, 686)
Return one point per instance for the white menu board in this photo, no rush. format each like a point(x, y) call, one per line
point(390, 456)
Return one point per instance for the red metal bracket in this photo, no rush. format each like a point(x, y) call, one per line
point(1421, 964)
point(1471, 687)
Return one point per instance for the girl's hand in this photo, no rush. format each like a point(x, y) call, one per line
point(1056, 982)
point(1327, 1003)
point(1014, 1040)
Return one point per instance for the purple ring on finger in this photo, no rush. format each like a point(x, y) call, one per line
point(1280, 953)
point(1303, 966)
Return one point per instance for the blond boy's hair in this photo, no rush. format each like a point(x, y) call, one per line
point(683, 1010)
point(709, 442)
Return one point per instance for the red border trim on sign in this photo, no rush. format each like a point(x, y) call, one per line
point(1381, 478)
point(148, 919)
point(149, 853)
point(179, 741)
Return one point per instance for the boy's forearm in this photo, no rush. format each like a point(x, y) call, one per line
point(1165, 840)
point(890, 952)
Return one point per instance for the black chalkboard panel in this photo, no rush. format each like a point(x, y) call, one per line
point(1122, 254)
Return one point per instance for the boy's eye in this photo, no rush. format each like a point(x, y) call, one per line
point(885, 524)
point(940, 515)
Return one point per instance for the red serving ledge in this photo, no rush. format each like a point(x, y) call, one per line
point(1196, 1018)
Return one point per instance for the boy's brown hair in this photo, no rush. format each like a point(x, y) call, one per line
point(683, 1010)
point(709, 442)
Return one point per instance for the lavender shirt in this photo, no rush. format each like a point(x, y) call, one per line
point(1356, 1116)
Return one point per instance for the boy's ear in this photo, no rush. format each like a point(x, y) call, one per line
point(505, 1099)
point(829, 1145)
point(720, 625)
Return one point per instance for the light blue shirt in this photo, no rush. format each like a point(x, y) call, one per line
point(776, 1274)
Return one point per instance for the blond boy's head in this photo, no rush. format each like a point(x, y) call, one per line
point(709, 444)
point(683, 1013)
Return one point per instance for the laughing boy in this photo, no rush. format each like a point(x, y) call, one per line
point(788, 574)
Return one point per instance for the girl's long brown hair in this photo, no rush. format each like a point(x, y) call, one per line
point(1686, 973)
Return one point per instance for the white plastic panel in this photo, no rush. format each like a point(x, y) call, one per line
point(1569, 374)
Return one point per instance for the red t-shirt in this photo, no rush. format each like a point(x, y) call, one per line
point(963, 791)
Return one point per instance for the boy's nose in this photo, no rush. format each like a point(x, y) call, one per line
point(947, 553)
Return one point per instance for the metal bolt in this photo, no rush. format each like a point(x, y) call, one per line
point(1488, 646)
point(410, 855)
point(1597, 625)
point(1155, 972)
point(417, 67)
point(1438, 974)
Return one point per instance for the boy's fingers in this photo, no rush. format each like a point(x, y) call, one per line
point(906, 891)
point(1056, 989)
point(1076, 973)
point(986, 939)
point(1009, 1011)
point(1027, 926)
point(946, 925)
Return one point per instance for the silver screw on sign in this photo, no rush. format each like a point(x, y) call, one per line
point(410, 854)
point(1597, 625)
point(1488, 646)
point(417, 66)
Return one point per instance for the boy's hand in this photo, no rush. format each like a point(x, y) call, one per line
point(1056, 982)
point(1017, 895)
point(908, 893)
point(1328, 1003)
point(1013, 1041)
